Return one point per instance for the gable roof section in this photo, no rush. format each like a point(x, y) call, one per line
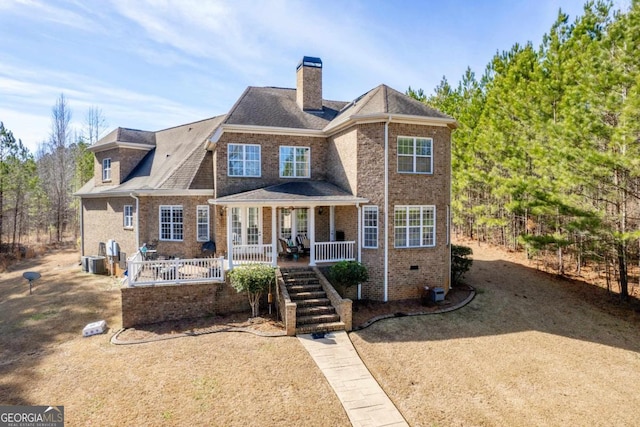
point(171, 167)
point(384, 102)
point(305, 193)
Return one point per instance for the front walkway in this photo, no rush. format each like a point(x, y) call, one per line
point(363, 399)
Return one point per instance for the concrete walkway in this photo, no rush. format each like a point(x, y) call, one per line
point(362, 397)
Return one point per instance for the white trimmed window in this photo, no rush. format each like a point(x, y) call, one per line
point(106, 169)
point(244, 160)
point(415, 155)
point(370, 226)
point(171, 223)
point(128, 216)
point(295, 162)
point(202, 220)
point(415, 226)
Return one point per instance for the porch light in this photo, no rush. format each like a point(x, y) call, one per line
point(320, 210)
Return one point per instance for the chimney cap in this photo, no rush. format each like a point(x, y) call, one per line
point(310, 61)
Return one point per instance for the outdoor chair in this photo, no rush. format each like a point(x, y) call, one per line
point(303, 244)
point(287, 249)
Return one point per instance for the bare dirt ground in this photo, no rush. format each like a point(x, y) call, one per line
point(530, 349)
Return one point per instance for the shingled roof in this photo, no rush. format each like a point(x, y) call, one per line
point(292, 193)
point(175, 163)
point(277, 107)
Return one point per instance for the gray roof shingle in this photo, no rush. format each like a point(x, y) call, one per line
point(294, 193)
point(173, 164)
point(277, 107)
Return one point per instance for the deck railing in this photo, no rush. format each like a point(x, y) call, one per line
point(174, 271)
point(252, 254)
point(335, 251)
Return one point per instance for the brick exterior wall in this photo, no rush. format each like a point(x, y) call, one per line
point(123, 160)
point(342, 160)
point(103, 220)
point(151, 304)
point(405, 189)
point(270, 159)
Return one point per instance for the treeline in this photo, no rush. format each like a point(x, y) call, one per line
point(547, 153)
point(36, 191)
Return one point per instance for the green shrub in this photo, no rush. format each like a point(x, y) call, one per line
point(348, 273)
point(460, 262)
point(253, 279)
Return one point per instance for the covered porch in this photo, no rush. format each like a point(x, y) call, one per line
point(307, 222)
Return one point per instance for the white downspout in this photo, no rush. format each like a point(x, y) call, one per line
point(386, 210)
point(359, 243)
point(137, 221)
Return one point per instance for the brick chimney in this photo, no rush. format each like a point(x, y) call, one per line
point(309, 84)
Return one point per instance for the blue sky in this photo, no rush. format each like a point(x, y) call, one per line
point(156, 64)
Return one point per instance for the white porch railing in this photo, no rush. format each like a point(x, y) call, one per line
point(252, 254)
point(174, 271)
point(335, 251)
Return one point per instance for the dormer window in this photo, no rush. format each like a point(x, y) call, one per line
point(106, 169)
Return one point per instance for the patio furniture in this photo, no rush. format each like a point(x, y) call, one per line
point(288, 249)
point(304, 246)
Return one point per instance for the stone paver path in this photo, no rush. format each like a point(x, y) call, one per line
point(367, 405)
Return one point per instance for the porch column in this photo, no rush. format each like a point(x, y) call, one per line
point(312, 236)
point(229, 238)
point(274, 237)
point(332, 223)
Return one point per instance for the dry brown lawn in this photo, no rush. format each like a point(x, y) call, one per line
point(225, 379)
point(530, 349)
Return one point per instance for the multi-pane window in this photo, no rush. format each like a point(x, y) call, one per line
point(128, 216)
point(295, 162)
point(244, 160)
point(286, 223)
point(302, 222)
point(415, 226)
point(106, 169)
point(171, 223)
point(370, 226)
point(236, 225)
point(202, 220)
point(415, 155)
point(245, 226)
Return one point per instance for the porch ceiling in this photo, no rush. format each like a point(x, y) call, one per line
point(298, 193)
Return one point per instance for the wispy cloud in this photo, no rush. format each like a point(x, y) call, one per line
point(48, 12)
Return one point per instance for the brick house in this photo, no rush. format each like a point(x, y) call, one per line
point(367, 180)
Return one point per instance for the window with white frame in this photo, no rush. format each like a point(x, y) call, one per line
point(370, 226)
point(244, 160)
point(415, 226)
point(415, 155)
point(106, 169)
point(127, 214)
point(295, 162)
point(171, 223)
point(202, 221)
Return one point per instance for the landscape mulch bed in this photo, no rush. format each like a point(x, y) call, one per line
point(365, 312)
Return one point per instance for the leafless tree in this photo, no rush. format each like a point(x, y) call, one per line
point(95, 125)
